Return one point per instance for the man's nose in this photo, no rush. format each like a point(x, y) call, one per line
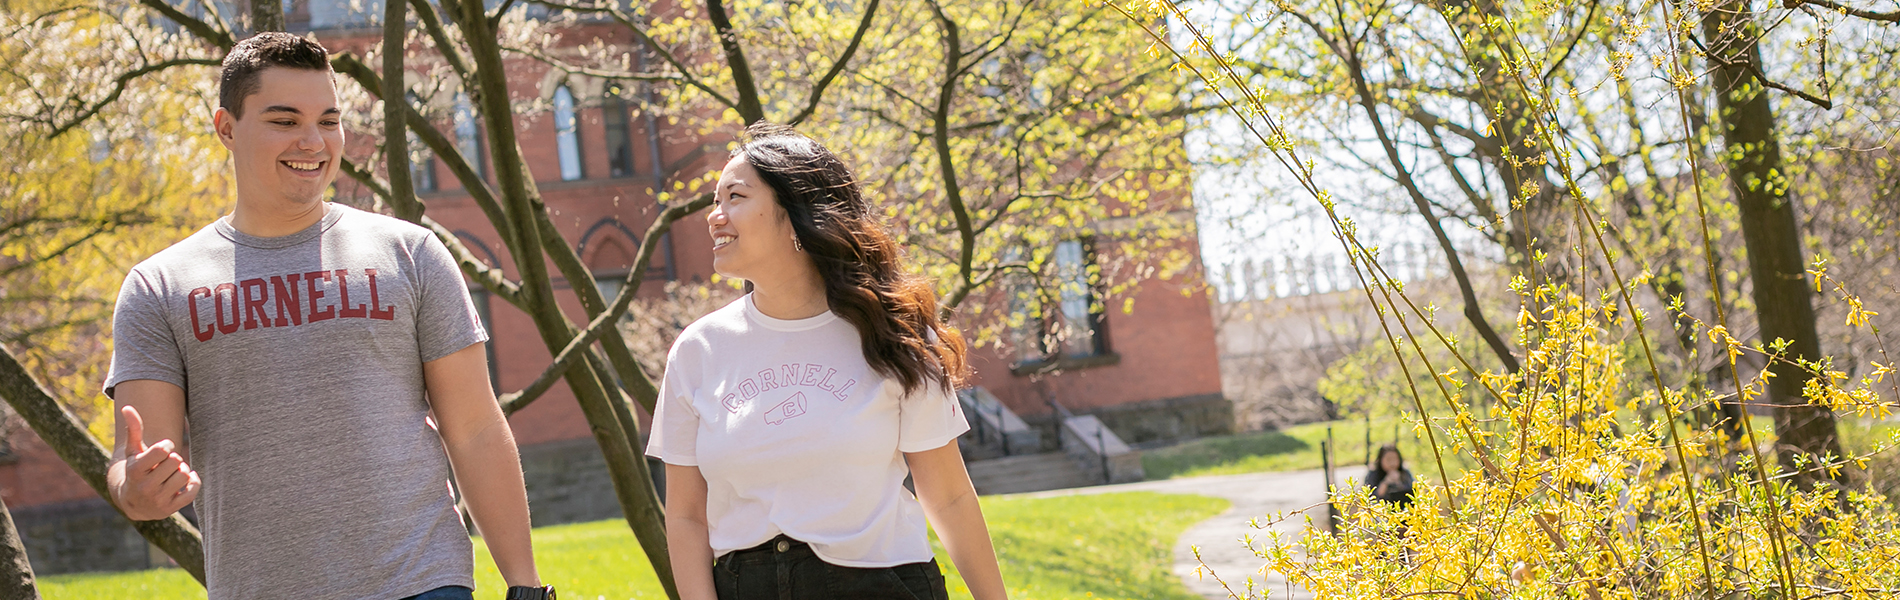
point(312, 139)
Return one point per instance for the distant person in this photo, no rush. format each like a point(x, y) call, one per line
point(309, 373)
point(1389, 479)
point(789, 419)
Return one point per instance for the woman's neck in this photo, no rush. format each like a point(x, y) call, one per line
point(797, 294)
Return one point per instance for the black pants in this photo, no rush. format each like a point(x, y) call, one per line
point(786, 569)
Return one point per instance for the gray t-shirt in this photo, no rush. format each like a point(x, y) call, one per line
point(301, 360)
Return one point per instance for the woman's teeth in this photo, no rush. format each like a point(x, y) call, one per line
point(720, 241)
point(303, 166)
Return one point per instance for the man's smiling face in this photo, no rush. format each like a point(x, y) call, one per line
point(286, 144)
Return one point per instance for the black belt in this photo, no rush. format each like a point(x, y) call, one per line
point(779, 544)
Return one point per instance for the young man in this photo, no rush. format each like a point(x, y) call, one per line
point(281, 367)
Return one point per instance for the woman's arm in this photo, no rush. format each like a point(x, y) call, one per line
point(949, 500)
point(688, 541)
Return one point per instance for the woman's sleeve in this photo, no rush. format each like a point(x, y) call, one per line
point(675, 433)
point(929, 419)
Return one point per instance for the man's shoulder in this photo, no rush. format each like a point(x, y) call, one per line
point(356, 221)
point(185, 253)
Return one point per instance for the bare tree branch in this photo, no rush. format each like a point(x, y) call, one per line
point(850, 50)
point(640, 33)
point(751, 108)
point(118, 88)
point(450, 51)
point(214, 32)
point(1889, 17)
point(573, 69)
point(1755, 70)
point(607, 319)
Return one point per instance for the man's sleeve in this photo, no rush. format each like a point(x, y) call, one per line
point(142, 343)
point(446, 320)
point(675, 436)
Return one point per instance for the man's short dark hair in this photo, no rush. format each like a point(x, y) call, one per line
point(246, 62)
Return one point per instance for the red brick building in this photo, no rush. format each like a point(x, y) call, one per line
point(1152, 374)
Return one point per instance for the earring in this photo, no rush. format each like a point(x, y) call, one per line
point(797, 246)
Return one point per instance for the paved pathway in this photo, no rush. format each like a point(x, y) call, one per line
point(1255, 495)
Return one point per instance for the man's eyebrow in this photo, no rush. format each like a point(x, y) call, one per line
point(293, 110)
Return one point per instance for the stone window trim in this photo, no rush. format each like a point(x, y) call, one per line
point(1064, 363)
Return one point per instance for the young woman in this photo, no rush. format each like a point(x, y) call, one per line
point(789, 418)
point(1389, 479)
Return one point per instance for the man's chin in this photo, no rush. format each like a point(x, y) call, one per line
point(302, 197)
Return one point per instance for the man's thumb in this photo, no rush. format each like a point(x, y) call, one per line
point(134, 431)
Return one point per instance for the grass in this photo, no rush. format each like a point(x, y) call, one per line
point(1297, 448)
point(1098, 546)
point(1289, 449)
point(1102, 546)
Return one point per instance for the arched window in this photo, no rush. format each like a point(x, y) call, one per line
point(567, 136)
point(619, 135)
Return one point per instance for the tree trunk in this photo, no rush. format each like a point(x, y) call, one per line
point(267, 15)
point(1782, 293)
point(16, 574)
point(633, 486)
point(68, 438)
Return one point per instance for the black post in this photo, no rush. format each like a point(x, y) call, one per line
point(1326, 466)
point(1101, 448)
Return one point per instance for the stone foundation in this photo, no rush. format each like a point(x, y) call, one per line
point(568, 482)
point(82, 535)
point(1154, 422)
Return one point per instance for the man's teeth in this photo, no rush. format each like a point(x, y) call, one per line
point(722, 240)
point(303, 166)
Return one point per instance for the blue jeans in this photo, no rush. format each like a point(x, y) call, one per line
point(452, 592)
point(787, 569)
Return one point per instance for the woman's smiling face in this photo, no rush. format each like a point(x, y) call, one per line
point(751, 234)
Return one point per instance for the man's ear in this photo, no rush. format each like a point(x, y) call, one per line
point(224, 123)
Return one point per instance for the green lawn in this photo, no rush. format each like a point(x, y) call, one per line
point(1289, 449)
point(1103, 546)
point(1297, 448)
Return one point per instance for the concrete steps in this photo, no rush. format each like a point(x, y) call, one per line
point(1028, 473)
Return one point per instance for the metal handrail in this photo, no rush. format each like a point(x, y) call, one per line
point(1002, 432)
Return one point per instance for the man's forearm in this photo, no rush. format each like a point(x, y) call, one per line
point(488, 469)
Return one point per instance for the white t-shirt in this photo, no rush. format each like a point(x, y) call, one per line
point(796, 434)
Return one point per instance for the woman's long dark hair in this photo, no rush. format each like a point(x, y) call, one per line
point(863, 269)
point(1378, 463)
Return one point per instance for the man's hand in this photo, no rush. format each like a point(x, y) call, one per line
point(157, 481)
